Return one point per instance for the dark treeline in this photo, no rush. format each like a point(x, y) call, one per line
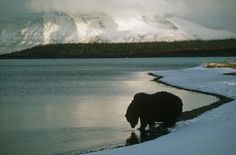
point(119, 50)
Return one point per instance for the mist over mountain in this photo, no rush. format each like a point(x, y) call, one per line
point(43, 22)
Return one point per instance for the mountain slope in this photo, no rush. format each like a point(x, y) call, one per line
point(56, 27)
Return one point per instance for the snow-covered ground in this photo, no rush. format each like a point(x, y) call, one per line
point(212, 133)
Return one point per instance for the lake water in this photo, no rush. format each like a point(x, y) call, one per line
point(76, 105)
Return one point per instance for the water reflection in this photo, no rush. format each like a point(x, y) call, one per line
point(133, 139)
point(146, 135)
point(60, 105)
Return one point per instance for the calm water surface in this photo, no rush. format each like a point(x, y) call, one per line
point(76, 105)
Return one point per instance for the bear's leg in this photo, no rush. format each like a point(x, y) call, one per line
point(143, 124)
point(151, 125)
point(170, 123)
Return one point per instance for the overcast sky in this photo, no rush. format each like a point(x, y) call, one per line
point(220, 14)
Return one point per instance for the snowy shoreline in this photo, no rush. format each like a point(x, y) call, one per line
point(209, 133)
point(198, 111)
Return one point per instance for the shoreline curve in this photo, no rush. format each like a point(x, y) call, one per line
point(198, 111)
point(187, 115)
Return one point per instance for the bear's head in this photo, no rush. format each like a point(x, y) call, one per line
point(131, 115)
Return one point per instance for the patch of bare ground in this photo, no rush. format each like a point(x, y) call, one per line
point(222, 65)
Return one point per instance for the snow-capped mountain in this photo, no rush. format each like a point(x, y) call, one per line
point(56, 27)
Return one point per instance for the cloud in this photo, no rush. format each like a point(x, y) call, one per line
point(10, 8)
point(215, 14)
point(211, 13)
point(113, 7)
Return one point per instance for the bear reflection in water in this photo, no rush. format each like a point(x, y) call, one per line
point(159, 111)
point(146, 135)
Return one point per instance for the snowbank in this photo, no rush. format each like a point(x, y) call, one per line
point(212, 133)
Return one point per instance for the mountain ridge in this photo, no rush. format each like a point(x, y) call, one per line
point(58, 27)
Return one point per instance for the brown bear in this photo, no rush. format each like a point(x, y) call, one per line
point(150, 108)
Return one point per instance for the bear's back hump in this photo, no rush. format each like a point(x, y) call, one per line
point(158, 102)
point(164, 101)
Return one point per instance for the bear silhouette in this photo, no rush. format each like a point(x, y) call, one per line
point(151, 108)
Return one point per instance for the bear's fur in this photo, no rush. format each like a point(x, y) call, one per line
point(150, 108)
